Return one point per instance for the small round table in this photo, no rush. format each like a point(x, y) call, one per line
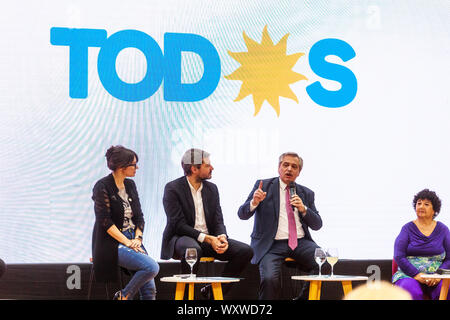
point(445, 283)
point(316, 283)
point(216, 284)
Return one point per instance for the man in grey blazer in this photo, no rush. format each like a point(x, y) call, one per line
point(282, 222)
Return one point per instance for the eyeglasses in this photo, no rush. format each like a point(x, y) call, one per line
point(132, 165)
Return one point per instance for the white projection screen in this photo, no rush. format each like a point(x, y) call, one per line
point(364, 159)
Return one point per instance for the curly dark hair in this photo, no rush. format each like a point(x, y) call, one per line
point(431, 196)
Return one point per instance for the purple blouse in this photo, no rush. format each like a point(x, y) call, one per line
point(412, 242)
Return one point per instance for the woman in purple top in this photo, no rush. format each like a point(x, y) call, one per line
point(422, 247)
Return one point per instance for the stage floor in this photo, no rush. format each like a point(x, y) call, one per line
point(56, 281)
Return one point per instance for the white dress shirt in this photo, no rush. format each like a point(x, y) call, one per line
point(200, 222)
point(283, 226)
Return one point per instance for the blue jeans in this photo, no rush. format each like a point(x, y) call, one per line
point(145, 270)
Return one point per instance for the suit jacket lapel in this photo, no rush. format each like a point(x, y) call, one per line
point(300, 193)
point(189, 201)
point(276, 197)
point(205, 202)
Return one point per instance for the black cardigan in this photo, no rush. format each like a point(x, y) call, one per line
point(109, 211)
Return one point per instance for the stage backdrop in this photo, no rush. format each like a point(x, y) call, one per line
point(358, 88)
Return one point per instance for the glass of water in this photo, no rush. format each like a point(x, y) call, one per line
point(320, 257)
point(191, 258)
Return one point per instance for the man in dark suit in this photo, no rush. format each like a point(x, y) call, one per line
point(282, 222)
point(195, 220)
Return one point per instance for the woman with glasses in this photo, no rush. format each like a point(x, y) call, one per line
point(119, 226)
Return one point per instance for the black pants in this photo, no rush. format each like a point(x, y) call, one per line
point(270, 265)
point(238, 255)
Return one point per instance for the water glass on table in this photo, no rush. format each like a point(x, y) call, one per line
point(320, 257)
point(191, 258)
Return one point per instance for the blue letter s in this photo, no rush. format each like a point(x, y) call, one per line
point(327, 70)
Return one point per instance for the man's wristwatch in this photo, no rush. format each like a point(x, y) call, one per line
point(139, 237)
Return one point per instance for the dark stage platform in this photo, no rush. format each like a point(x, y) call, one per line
point(56, 281)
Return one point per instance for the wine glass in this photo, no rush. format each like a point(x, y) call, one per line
point(320, 257)
point(191, 258)
point(332, 258)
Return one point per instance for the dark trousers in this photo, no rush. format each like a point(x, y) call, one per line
point(270, 265)
point(238, 256)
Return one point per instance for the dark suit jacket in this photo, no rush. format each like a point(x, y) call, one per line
point(267, 214)
point(180, 212)
point(109, 211)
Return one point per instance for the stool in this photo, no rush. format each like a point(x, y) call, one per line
point(208, 261)
point(292, 264)
point(289, 260)
point(92, 276)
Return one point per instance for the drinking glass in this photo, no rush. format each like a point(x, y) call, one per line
point(320, 257)
point(191, 258)
point(332, 258)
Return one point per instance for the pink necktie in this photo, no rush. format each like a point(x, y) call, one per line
point(291, 222)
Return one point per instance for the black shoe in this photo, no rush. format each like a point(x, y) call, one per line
point(118, 295)
point(206, 292)
point(301, 297)
point(304, 293)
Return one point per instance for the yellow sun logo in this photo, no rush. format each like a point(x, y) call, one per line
point(265, 71)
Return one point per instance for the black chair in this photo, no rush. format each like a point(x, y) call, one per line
point(209, 263)
point(292, 270)
point(92, 280)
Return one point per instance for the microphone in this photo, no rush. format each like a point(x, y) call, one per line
point(292, 191)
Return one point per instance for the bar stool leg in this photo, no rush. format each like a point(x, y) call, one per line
point(91, 280)
point(346, 286)
point(314, 290)
point(292, 269)
point(191, 291)
point(217, 290)
point(179, 291)
point(107, 291)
